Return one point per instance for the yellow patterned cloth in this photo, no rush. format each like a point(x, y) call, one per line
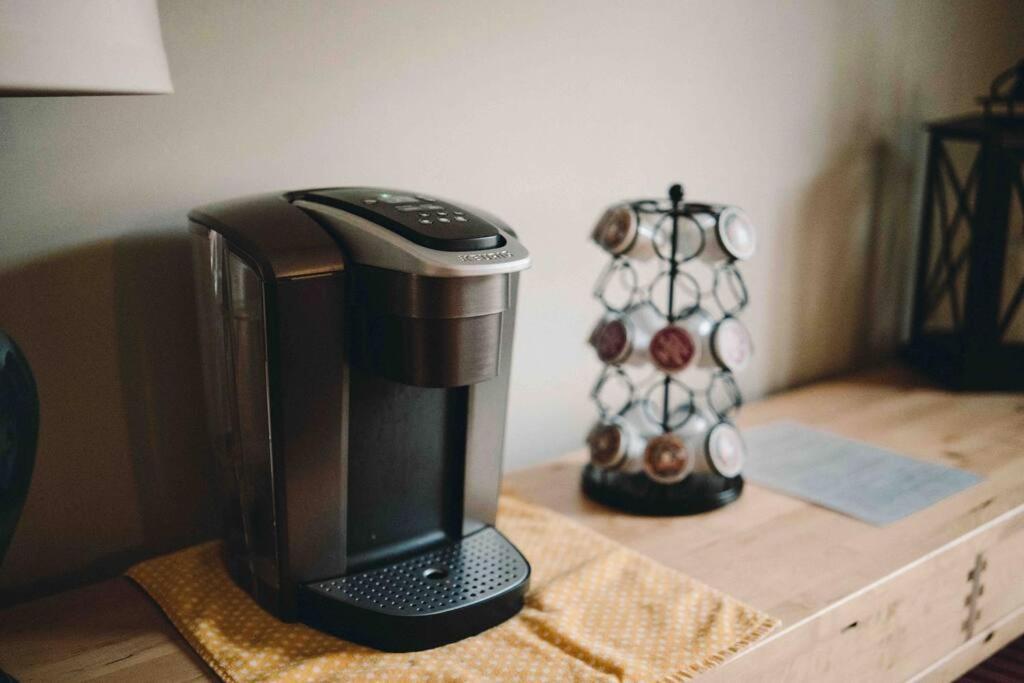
point(595, 611)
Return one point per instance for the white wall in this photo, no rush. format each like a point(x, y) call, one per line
point(808, 114)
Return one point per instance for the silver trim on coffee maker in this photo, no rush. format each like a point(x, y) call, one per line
point(370, 244)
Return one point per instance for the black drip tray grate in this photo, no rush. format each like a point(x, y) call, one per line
point(473, 570)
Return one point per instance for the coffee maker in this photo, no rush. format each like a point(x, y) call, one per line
point(356, 347)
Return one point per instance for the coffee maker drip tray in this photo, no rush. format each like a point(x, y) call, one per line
point(424, 601)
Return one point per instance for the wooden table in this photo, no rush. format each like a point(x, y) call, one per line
point(924, 598)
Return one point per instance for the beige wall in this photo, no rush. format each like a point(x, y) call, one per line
point(806, 113)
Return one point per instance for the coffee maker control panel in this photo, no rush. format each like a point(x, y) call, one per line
point(425, 220)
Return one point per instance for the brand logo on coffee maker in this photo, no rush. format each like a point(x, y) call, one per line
point(486, 256)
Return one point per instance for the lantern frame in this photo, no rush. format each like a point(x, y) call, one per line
point(976, 351)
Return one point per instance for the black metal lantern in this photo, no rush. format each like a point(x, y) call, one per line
point(968, 319)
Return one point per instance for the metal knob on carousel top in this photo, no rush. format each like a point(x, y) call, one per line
point(670, 339)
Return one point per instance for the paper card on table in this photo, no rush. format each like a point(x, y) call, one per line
point(872, 484)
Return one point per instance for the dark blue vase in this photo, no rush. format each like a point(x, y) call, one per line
point(19, 428)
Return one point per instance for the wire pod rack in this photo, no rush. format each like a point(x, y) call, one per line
point(670, 340)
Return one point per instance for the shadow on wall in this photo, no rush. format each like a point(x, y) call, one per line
point(856, 241)
point(891, 253)
point(121, 469)
point(162, 388)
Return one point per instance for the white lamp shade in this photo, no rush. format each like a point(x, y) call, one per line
point(81, 47)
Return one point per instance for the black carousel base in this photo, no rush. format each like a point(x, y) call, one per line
point(637, 493)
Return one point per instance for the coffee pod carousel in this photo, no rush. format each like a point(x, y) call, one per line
point(671, 340)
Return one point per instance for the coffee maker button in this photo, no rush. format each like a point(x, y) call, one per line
point(426, 221)
point(461, 219)
point(444, 220)
point(424, 214)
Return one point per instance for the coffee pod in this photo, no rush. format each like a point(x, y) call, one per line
point(694, 434)
point(673, 349)
point(625, 339)
point(610, 339)
point(595, 332)
point(623, 231)
point(667, 460)
point(611, 442)
point(731, 344)
point(731, 238)
point(726, 450)
point(678, 346)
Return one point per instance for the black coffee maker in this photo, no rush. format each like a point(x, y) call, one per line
point(356, 346)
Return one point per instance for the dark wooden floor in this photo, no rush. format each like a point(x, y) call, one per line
point(1005, 666)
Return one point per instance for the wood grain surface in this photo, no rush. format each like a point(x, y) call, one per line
point(856, 601)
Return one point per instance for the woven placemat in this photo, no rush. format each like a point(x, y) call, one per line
point(595, 611)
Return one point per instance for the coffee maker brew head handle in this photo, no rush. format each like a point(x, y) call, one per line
point(281, 240)
point(430, 222)
point(414, 233)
